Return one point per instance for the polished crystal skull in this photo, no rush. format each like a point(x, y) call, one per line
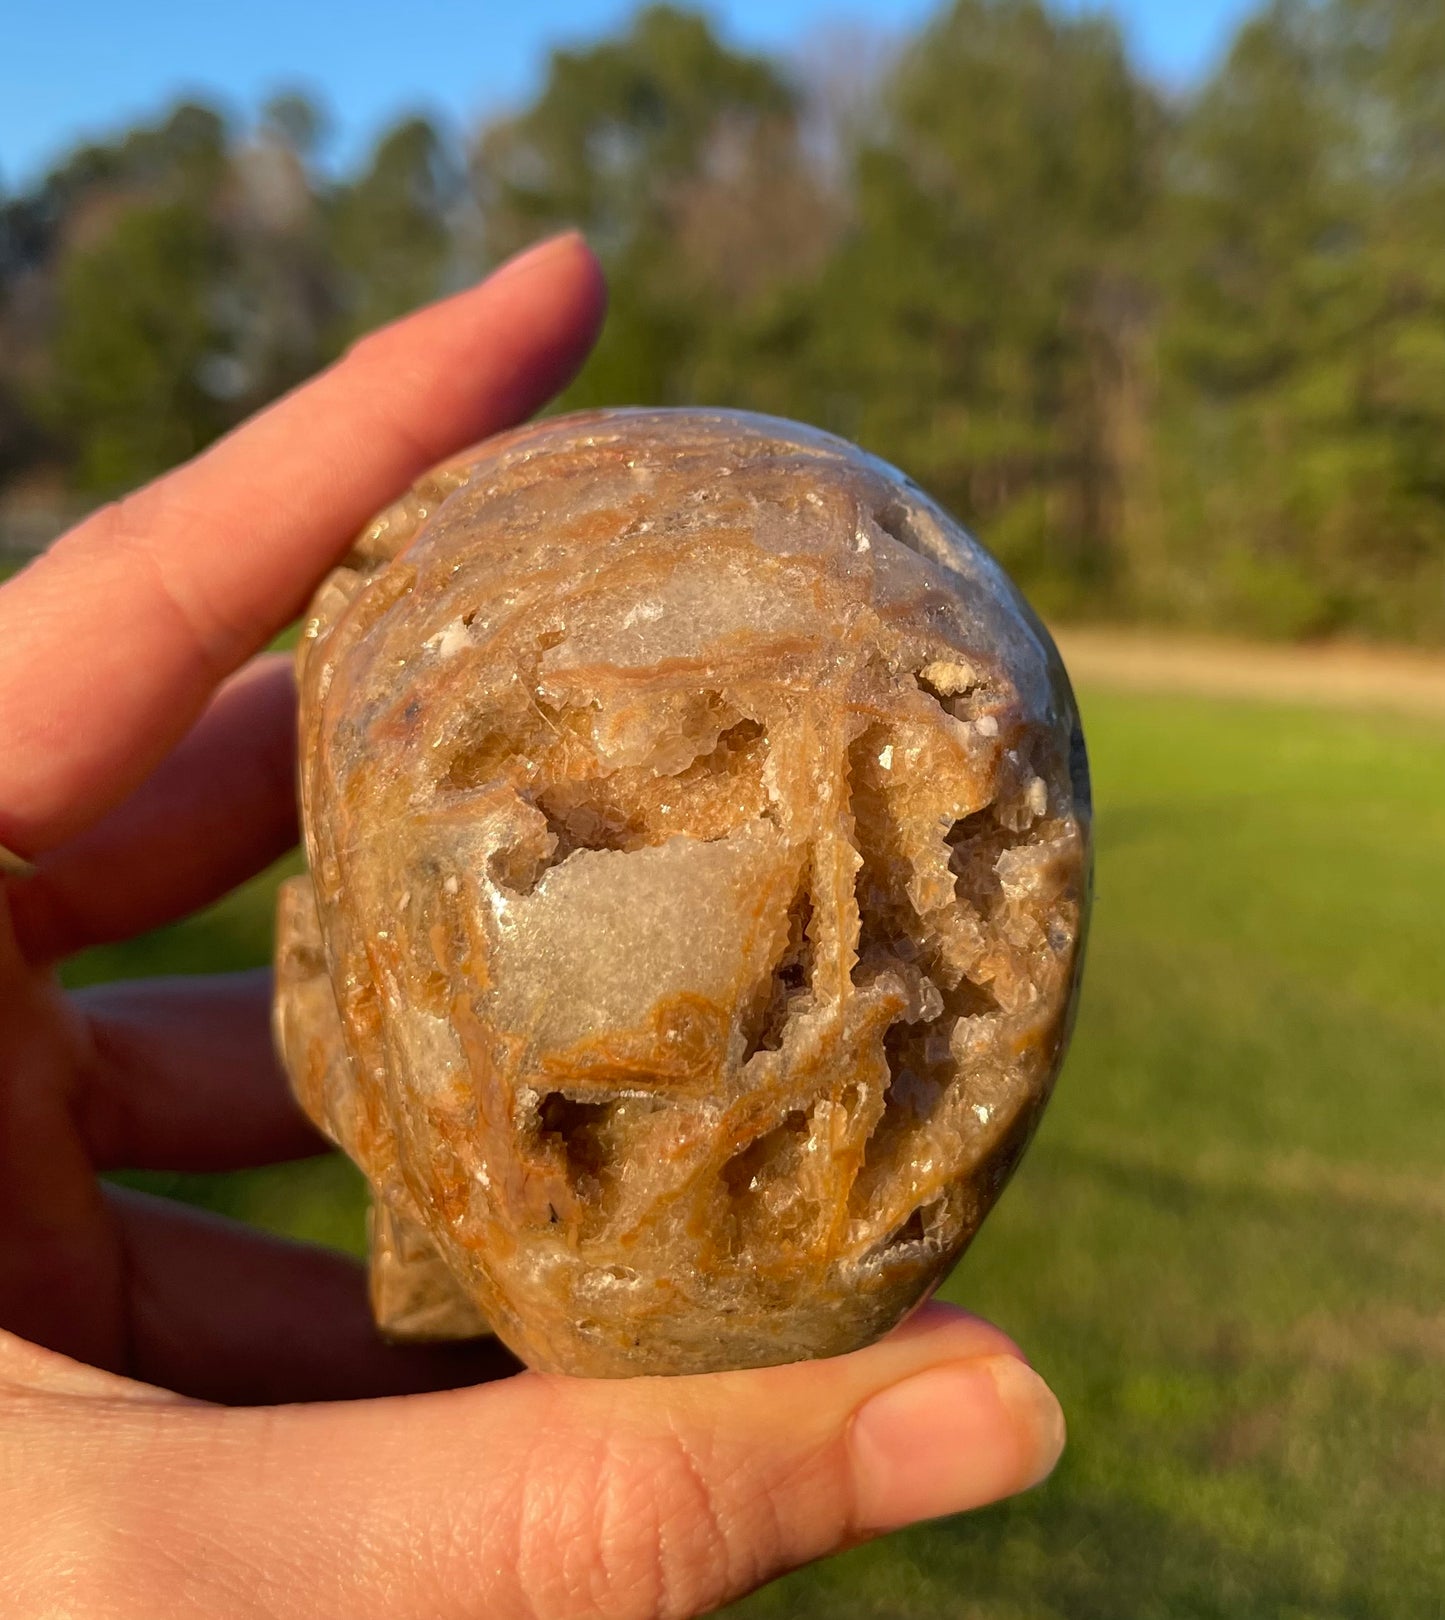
point(698, 836)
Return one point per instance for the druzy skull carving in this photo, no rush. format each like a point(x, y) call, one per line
point(697, 824)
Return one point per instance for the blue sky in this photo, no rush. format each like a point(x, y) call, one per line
point(70, 68)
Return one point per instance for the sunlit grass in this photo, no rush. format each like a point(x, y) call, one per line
point(1227, 1247)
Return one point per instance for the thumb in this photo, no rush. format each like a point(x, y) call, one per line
point(552, 1497)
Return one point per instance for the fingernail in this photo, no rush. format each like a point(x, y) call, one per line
point(529, 258)
point(952, 1438)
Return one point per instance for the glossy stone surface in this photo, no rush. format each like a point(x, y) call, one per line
point(698, 834)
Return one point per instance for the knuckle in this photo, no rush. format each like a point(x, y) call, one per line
point(127, 525)
point(630, 1528)
point(129, 529)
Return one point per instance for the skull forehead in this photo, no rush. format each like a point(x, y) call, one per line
point(669, 566)
point(528, 520)
point(786, 582)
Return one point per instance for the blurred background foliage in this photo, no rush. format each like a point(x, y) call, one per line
point(1177, 359)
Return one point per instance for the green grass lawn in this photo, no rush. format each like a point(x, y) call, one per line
point(1227, 1247)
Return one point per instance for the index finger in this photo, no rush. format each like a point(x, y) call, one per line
point(111, 642)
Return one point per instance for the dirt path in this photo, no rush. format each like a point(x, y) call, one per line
point(1353, 677)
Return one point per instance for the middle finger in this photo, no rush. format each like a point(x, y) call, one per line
point(182, 1075)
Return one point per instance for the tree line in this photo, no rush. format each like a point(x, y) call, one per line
point(1176, 359)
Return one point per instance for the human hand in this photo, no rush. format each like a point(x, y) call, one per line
point(147, 768)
